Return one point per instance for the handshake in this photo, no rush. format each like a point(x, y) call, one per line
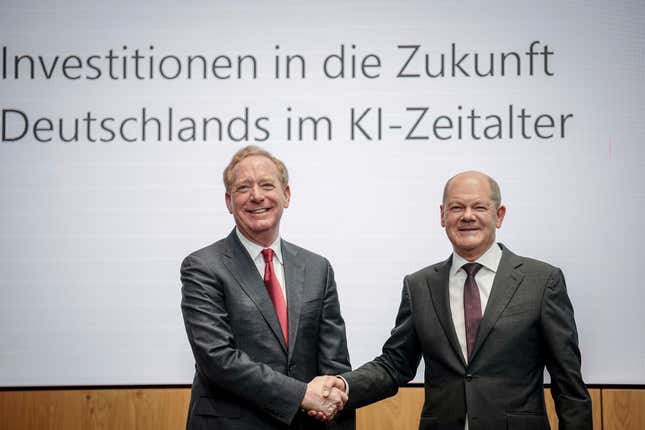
point(325, 397)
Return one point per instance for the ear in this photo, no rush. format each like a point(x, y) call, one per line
point(227, 198)
point(443, 222)
point(501, 212)
point(287, 196)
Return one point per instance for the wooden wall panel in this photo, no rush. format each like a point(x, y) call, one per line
point(400, 412)
point(41, 410)
point(623, 409)
point(108, 409)
point(165, 409)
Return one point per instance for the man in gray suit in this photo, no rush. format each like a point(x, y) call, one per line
point(486, 322)
point(261, 314)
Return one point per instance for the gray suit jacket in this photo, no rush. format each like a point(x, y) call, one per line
point(246, 377)
point(528, 324)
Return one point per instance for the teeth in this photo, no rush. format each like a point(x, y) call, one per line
point(259, 211)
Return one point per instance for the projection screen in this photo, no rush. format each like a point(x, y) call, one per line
point(119, 117)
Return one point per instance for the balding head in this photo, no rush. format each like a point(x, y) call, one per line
point(495, 193)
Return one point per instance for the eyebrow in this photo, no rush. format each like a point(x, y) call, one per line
point(474, 202)
point(249, 180)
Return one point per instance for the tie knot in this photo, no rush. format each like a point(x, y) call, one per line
point(267, 253)
point(471, 269)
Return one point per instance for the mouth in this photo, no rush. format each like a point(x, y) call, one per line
point(258, 211)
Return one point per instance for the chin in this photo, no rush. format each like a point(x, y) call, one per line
point(469, 246)
point(468, 241)
point(260, 228)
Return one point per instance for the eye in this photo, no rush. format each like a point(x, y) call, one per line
point(242, 189)
point(268, 186)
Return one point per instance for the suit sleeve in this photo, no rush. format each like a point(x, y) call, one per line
point(397, 365)
point(572, 402)
point(333, 357)
point(213, 343)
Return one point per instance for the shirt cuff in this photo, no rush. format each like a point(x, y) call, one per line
point(346, 384)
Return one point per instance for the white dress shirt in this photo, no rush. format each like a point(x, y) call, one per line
point(484, 279)
point(255, 251)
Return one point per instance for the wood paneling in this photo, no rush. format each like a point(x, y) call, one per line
point(118, 409)
point(165, 409)
point(400, 412)
point(41, 410)
point(623, 409)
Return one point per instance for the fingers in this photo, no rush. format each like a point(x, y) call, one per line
point(325, 397)
point(326, 384)
point(319, 415)
point(338, 399)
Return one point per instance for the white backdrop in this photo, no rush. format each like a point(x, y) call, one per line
point(92, 233)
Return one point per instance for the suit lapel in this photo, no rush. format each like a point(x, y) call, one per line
point(438, 285)
point(507, 279)
point(246, 273)
point(294, 273)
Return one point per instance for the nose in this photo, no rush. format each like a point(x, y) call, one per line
point(256, 194)
point(468, 214)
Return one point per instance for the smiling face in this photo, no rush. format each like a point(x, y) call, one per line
point(469, 214)
point(256, 199)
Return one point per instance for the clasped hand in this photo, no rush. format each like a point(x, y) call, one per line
point(325, 397)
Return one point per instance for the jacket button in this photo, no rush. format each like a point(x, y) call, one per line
point(469, 377)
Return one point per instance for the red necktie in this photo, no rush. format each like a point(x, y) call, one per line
point(275, 292)
point(472, 305)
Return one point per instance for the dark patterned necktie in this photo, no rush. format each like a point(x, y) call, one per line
point(472, 305)
point(275, 292)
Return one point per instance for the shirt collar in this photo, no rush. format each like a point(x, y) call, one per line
point(489, 259)
point(255, 250)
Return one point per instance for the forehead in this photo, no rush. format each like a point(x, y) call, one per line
point(254, 167)
point(469, 187)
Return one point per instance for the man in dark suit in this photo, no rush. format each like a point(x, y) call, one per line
point(261, 314)
point(486, 322)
